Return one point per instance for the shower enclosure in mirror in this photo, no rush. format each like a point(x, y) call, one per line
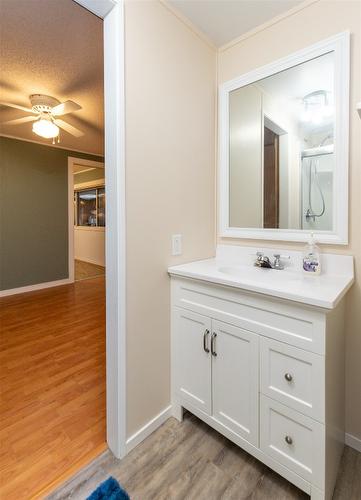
point(283, 147)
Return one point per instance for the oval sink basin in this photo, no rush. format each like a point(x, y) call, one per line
point(251, 273)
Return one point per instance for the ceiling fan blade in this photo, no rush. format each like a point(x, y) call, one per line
point(17, 121)
point(65, 108)
point(16, 106)
point(68, 128)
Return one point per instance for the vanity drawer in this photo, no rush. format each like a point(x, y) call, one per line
point(294, 440)
point(297, 325)
point(294, 377)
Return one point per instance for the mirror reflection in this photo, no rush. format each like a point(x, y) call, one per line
point(281, 150)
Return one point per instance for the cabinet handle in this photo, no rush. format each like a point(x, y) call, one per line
point(213, 340)
point(288, 439)
point(205, 338)
point(288, 377)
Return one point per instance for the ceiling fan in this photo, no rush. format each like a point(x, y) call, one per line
point(45, 110)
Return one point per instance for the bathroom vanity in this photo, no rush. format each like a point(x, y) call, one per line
point(258, 354)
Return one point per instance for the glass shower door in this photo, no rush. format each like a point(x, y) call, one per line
point(317, 192)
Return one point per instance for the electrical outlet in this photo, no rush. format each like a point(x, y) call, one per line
point(176, 244)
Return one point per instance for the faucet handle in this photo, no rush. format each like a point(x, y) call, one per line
point(277, 262)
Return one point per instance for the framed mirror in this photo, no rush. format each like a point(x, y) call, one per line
point(283, 143)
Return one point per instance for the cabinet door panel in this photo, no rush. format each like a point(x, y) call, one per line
point(193, 370)
point(235, 380)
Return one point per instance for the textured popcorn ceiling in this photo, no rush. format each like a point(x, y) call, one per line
point(52, 47)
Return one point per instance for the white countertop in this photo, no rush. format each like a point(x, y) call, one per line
point(233, 266)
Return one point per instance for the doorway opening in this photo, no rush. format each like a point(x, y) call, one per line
point(54, 409)
point(111, 14)
point(87, 212)
point(270, 179)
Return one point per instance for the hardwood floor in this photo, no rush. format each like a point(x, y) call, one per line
point(191, 461)
point(52, 376)
point(85, 270)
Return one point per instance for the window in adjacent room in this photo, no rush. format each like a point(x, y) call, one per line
point(89, 207)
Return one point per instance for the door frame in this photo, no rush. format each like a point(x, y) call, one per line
point(72, 160)
point(112, 13)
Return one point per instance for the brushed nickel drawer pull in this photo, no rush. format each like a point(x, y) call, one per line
point(205, 341)
point(213, 341)
point(288, 377)
point(288, 440)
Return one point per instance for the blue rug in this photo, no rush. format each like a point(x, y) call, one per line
point(109, 490)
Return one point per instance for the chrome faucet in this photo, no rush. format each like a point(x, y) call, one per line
point(264, 261)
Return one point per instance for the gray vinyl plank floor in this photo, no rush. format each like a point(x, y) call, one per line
point(191, 461)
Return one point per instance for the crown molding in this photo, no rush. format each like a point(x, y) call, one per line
point(185, 20)
point(267, 24)
point(101, 155)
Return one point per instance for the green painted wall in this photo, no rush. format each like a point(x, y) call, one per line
point(33, 212)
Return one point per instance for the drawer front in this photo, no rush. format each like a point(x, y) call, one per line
point(294, 377)
point(294, 440)
point(281, 320)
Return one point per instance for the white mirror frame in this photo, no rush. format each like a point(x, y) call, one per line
point(340, 45)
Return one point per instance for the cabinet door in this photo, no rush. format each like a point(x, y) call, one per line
point(235, 379)
point(193, 359)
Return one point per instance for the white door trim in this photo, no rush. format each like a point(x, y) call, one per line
point(87, 163)
point(112, 11)
point(71, 219)
point(115, 233)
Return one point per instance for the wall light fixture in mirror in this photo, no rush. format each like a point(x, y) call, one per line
point(283, 147)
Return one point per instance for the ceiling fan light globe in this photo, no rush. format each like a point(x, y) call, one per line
point(46, 129)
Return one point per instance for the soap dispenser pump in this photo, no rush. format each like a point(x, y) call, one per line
point(311, 258)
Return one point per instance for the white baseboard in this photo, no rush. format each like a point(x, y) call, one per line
point(353, 442)
point(150, 427)
point(89, 261)
point(32, 288)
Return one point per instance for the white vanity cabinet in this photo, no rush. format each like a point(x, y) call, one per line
point(212, 356)
point(192, 331)
point(235, 368)
point(265, 372)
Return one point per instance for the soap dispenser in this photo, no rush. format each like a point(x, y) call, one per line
point(311, 258)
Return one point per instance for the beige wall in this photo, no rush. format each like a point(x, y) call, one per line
point(89, 244)
point(170, 120)
point(245, 157)
point(314, 23)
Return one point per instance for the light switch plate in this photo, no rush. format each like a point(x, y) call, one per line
point(176, 244)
